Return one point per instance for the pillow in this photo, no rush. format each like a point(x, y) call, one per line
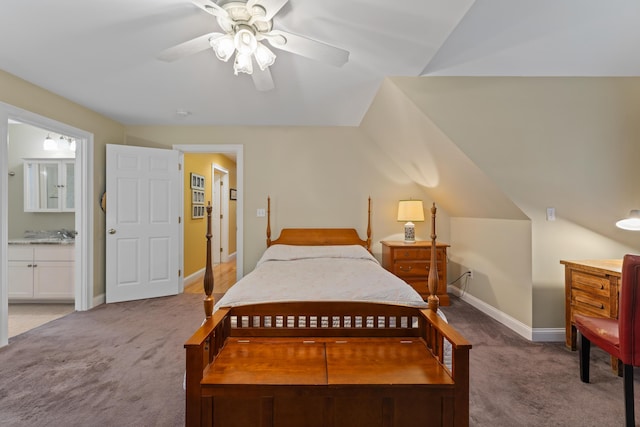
point(295, 252)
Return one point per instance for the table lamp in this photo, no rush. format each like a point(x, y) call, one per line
point(410, 210)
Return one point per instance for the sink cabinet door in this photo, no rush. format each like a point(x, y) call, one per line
point(53, 280)
point(20, 276)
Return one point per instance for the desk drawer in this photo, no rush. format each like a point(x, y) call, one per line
point(591, 284)
point(586, 303)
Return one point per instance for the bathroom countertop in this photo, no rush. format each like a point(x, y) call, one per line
point(41, 241)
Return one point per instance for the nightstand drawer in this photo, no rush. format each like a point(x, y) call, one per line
point(411, 253)
point(410, 268)
point(411, 263)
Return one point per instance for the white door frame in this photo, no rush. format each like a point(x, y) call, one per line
point(238, 151)
point(221, 221)
point(83, 274)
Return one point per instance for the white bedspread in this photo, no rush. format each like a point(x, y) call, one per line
point(287, 273)
point(320, 273)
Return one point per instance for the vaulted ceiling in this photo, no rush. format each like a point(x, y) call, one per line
point(103, 55)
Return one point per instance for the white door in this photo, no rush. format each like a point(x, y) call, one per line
point(142, 223)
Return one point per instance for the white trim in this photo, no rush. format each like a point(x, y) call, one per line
point(238, 150)
point(83, 216)
point(194, 277)
point(532, 334)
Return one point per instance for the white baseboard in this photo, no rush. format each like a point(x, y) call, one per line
point(194, 277)
point(99, 299)
point(532, 334)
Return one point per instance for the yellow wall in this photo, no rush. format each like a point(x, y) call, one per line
point(195, 229)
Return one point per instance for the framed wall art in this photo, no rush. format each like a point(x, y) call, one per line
point(197, 197)
point(197, 211)
point(197, 181)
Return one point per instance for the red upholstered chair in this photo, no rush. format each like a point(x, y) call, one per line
point(620, 338)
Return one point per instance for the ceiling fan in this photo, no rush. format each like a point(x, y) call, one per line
point(246, 25)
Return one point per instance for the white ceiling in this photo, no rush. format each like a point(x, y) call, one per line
point(102, 54)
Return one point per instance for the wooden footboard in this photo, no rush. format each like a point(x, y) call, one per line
point(384, 331)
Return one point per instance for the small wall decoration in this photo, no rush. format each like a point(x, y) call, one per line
point(197, 211)
point(233, 194)
point(197, 181)
point(197, 197)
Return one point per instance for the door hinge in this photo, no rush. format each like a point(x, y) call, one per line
point(220, 216)
point(179, 220)
point(221, 184)
point(179, 166)
point(179, 273)
point(220, 250)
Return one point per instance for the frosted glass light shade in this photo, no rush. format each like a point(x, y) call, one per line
point(632, 222)
point(243, 64)
point(264, 57)
point(49, 144)
point(223, 47)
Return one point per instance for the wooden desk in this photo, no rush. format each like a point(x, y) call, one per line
point(411, 261)
point(591, 288)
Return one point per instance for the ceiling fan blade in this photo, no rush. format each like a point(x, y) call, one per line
point(211, 7)
point(262, 79)
point(307, 47)
point(187, 48)
point(270, 6)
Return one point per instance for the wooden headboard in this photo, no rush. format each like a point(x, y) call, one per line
point(319, 236)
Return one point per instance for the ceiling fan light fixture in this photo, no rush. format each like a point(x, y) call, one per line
point(243, 63)
point(264, 56)
point(223, 47)
point(245, 40)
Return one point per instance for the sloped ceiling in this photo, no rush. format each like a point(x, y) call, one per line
point(103, 55)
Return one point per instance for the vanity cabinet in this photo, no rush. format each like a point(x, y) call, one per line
point(41, 272)
point(49, 185)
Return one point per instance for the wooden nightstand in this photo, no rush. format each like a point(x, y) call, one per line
point(410, 262)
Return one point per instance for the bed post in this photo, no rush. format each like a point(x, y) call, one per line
point(432, 280)
point(208, 271)
point(268, 221)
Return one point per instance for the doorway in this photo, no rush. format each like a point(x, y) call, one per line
point(236, 152)
point(220, 214)
point(83, 220)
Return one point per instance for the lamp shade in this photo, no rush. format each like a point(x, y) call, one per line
point(410, 210)
point(632, 222)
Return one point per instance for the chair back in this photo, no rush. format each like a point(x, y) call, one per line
point(629, 311)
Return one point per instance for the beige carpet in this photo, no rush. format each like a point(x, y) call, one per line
point(24, 317)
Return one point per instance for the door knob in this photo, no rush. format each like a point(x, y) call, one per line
point(112, 231)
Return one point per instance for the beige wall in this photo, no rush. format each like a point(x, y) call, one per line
point(24, 95)
point(195, 229)
point(316, 177)
point(568, 143)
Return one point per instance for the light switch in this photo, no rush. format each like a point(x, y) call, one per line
point(261, 213)
point(551, 214)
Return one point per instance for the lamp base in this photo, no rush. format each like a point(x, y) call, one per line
point(409, 232)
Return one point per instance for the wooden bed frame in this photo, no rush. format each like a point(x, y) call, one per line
point(324, 364)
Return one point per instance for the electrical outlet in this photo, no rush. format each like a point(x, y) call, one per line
point(470, 273)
